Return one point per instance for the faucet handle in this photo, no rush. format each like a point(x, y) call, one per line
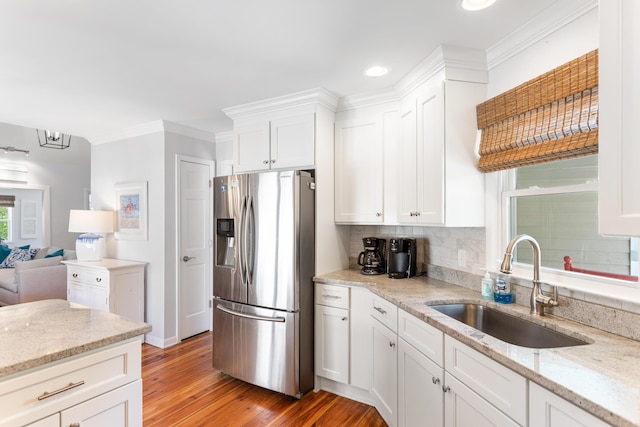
point(547, 300)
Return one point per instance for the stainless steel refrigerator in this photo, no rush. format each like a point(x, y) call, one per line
point(262, 285)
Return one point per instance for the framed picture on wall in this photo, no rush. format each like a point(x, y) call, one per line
point(131, 205)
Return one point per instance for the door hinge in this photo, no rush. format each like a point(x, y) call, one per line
point(210, 183)
point(210, 303)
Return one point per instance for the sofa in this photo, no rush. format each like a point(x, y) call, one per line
point(42, 277)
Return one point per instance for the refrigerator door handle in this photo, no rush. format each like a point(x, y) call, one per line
point(250, 243)
point(242, 250)
point(251, 316)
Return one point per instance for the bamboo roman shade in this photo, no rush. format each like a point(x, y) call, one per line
point(7, 201)
point(551, 117)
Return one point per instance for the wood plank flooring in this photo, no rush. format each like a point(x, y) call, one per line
point(181, 388)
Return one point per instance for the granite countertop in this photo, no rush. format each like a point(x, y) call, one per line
point(35, 333)
point(603, 377)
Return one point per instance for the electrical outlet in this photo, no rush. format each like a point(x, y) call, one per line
point(462, 258)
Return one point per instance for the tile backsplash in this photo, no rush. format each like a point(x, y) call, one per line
point(457, 255)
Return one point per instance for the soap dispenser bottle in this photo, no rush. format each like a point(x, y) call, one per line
point(487, 286)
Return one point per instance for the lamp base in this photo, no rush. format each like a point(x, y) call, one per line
point(90, 247)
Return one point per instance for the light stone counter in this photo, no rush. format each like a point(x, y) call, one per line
point(40, 332)
point(603, 377)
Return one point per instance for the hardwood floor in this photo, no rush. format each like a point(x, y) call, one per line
point(181, 388)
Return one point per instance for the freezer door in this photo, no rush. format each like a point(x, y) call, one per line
point(257, 346)
point(274, 224)
point(229, 203)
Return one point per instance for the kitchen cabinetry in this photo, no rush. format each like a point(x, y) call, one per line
point(619, 151)
point(284, 143)
point(420, 377)
point(384, 374)
point(332, 332)
point(440, 184)
point(111, 285)
point(359, 172)
point(343, 339)
point(549, 410)
point(102, 387)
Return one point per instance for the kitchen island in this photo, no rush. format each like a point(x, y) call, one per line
point(602, 378)
point(63, 363)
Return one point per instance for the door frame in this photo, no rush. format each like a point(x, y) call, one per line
point(211, 163)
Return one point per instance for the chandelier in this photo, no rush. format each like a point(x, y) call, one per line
point(53, 139)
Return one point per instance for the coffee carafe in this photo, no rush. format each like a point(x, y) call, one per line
point(402, 258)
point(372, 258)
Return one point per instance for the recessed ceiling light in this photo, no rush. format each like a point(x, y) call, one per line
point(474, 5)
point(376, 71)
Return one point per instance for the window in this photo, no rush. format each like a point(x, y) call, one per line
point(557, 204)
point(6, 223)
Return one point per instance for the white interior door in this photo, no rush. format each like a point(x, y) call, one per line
point(194, 242)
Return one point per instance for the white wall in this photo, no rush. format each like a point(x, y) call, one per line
point(67, 173)
point(151, 158)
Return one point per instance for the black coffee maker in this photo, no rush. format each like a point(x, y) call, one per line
point(372, 258)
point(402, 258)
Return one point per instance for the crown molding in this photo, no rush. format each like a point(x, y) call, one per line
point(458, 63)
point(536, 29)
point(153, 127)
point(317, 96)
point(222, 137)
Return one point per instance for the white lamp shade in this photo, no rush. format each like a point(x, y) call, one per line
point(82, 221)
point(90, 246)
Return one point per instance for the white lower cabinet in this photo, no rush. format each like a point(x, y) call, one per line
point(384, 376)
point(343, 340)
point(465, 408)
point(420, 395)
point(101, 388)
point(549, 410)
point(332, 343)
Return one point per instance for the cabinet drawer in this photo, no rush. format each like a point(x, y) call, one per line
point(385, 311)
point(424, 337)
point(332, 296)
point(89, 277)
point(59, 385)
point(500, 386)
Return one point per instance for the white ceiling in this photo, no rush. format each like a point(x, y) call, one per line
point(93, 68)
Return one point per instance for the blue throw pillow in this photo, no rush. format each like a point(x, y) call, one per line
point(59, 252)
point(17, 254)
point(24, 247)
point(4, 252)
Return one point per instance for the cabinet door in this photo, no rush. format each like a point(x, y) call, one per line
point(465, 408)
point(359, 176)
point(548, 410)
point(332, 343)
point(127, 293)
point(292, 142)
point(97, 297)
point(251, 147)
point(420, 395)
point(76, 292)
point(120, 407)
point(408, 167)
point(430, 154)
point(384, 376)
point(619, 151)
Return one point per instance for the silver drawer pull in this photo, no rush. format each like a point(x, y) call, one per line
point(331, 296)
point(75, 275)
point(47, 394)
point(380, 310)
point(98, 279)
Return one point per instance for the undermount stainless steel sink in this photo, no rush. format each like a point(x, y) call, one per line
point(506, 327)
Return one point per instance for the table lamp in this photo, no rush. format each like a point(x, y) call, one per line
point(89, 245)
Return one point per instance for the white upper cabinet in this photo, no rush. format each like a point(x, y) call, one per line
point(279, 133)
point(359, 172)
point(439, 182)
point(618, 147)
point(284, 143)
